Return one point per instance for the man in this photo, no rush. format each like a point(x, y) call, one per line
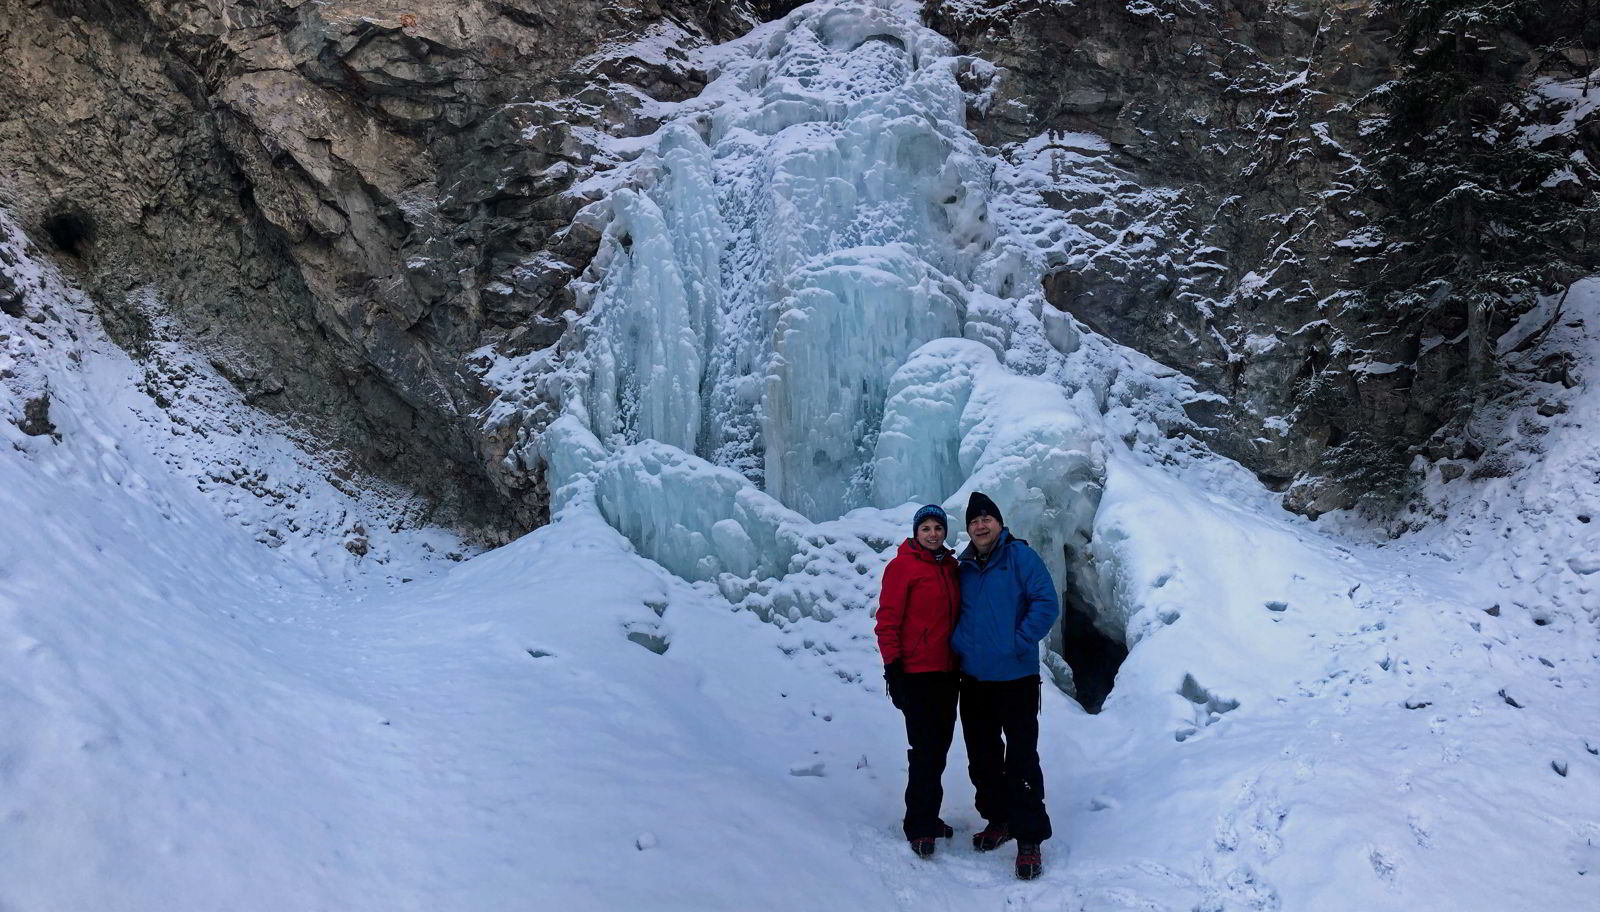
point(1008, 603)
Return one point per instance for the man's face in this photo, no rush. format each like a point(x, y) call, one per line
point(983, 532)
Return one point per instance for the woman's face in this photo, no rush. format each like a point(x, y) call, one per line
point(930, 534)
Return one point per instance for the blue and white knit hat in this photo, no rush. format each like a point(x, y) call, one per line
point(931, 511)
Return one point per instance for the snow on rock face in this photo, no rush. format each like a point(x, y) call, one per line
point(1529, 518)
point(168, 559)
point(73, 401)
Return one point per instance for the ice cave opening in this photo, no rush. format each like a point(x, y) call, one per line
point(1093, 655)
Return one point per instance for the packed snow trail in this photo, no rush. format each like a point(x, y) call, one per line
point(669, 697)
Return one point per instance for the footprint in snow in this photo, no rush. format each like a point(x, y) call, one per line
point(1382, 865)
point(1018, 901)
point(1240, 888)
point(1261, 819)
point(1420, 831)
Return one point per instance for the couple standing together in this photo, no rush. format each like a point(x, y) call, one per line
point(964, 632)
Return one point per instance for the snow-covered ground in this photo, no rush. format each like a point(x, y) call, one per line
point(669, 698)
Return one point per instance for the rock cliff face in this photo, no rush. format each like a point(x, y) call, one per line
point(340, 200)
point(344, 201)
point(1234, 219)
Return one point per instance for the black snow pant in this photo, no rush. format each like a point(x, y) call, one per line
point(1000, 723)
point(928, 700)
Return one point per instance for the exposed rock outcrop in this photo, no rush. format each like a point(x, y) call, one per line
point(1234, 218)
point(341, 200)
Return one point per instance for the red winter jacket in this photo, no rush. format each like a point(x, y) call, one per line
point(917, 608)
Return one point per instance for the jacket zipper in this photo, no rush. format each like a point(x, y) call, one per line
point(922, 640)
point(983, 574)
point(952, 609)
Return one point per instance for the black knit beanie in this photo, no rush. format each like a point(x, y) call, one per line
point(979, 504)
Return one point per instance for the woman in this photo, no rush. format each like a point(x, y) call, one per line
point(917, 611)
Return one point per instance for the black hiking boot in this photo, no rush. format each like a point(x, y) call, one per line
point(1030, 860)
point(924, 845)
point(991, 837)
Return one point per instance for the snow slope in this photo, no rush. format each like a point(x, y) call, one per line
point(213, 702)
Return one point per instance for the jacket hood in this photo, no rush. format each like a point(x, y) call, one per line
point(910, 548)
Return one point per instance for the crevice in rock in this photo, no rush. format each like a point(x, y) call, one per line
point(71, 230)
point(770, 10)
point(12, 297)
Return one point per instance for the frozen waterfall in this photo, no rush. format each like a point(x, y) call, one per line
point(814, 304)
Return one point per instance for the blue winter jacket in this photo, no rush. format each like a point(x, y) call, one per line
point(1007, 607)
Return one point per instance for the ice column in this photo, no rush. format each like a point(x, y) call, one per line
point(656, 301)
point(918, 453)
point(851, 321)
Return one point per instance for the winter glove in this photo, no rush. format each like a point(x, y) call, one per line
point(894, 675)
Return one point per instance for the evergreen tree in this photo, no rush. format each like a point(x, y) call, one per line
point(1474, 223)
